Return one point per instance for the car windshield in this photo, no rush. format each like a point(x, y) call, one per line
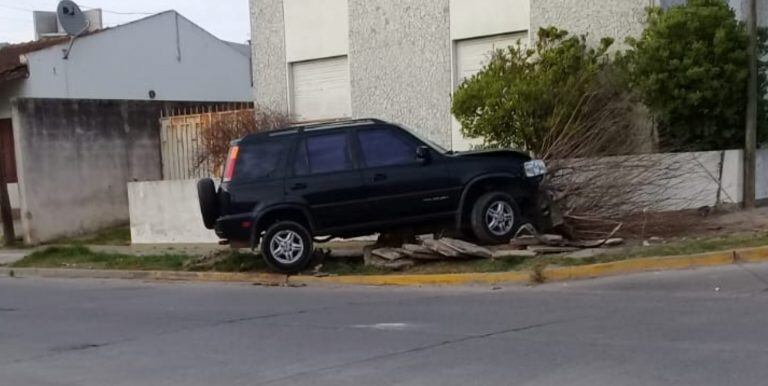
point(431, 144)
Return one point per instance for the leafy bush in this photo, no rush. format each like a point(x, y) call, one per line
point(523, 95)
point(690, 67)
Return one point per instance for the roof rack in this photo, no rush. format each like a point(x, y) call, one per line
point(335, 123)
point(325, 125)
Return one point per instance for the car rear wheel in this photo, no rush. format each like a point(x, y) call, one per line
point(495, 218)
point(287, 247)
point(209, 203)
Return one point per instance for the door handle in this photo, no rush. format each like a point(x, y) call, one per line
point(379, 177)
point(299, 186)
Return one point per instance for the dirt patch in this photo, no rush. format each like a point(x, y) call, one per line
point(703, 222)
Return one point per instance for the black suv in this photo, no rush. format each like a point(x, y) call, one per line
point(283, 188)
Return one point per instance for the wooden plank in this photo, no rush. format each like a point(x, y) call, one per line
point(442, 249)
point(467, 249)
point(390, 254)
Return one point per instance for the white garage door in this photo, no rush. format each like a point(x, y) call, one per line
point(320, 89)
point(471, 56)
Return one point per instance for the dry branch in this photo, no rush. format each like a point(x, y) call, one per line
point(225, 127)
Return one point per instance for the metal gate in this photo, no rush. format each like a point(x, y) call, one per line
point(180, 140)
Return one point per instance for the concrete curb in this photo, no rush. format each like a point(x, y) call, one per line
point(747, 255)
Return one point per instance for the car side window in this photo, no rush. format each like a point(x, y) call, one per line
point(385, 147)
point(261, 160)
point(324, 153)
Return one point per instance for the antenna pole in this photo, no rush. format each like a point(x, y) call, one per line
point(72, 39)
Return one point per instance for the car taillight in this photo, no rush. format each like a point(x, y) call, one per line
point(229, 169)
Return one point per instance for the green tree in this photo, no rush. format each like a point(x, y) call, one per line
point(522, 94)
point(690, 69)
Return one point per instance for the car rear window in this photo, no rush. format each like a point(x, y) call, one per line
point(260, 160)
point(325, 153)
point(385, 147)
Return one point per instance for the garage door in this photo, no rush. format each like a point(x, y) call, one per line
point(473, 54)
point(470, 57)
point(320, 89)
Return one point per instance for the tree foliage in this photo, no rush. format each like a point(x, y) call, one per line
point(690, 68)
point(522, 94)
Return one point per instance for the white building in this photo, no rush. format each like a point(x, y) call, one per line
point(102, 105)
point(165, 55)
point(401, 60)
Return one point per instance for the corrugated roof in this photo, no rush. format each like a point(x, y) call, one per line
point(11, 66)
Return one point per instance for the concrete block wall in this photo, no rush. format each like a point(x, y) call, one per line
point(74, 158)
point(164, 212)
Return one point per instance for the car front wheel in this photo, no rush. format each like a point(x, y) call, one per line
point(495, 218)
point(287, 247)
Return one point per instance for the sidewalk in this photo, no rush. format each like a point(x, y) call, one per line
point(10, 256)
point(535, 276)
point(160, 249)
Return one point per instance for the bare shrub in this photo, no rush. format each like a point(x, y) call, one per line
point(603, 171)
point(224, 127)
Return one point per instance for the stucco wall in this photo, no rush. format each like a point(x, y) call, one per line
point(165, 212)
point(74, 158)
point(617, 19)
point(400, 61)
point(270, 78)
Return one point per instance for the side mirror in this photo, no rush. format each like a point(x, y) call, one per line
point(423, 155)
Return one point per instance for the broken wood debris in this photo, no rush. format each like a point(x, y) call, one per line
point(528, 243)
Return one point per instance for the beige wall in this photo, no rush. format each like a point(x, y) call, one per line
point(315, 29)
point(474, 18)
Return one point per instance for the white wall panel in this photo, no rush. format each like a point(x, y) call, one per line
point(473, 18)
point(316, 29)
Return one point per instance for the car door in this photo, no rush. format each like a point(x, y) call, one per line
point(324, 179)
point(400, 187)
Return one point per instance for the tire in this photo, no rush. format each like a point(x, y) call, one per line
point(490, 206)
point(291, 234)
point(209, 202)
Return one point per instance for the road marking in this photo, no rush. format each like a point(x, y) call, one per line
point(385, 326)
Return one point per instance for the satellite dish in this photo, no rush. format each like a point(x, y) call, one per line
point(73, 21)
point(71, 18)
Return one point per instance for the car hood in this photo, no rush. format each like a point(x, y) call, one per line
point(508, 154)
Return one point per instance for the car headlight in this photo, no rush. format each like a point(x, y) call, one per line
point(535, 168)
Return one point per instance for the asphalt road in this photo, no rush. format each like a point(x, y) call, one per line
point(704, 327)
